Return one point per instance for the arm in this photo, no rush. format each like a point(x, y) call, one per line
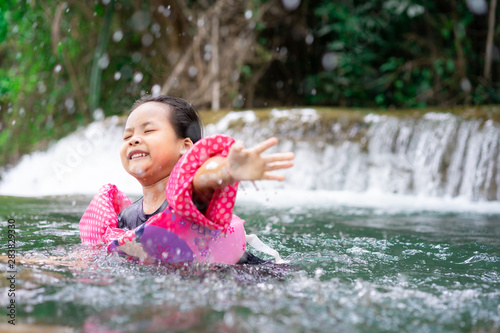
point(240, 164)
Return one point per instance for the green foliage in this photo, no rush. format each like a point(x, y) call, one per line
point(45, 71)
point(56, 70)
point(414, 53)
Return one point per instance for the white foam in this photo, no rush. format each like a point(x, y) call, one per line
point(339, 174)
point(438, 116)
point(77, 164)
point(374, 118)
point(385, 202)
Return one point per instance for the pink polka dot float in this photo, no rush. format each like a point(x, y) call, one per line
point(181, 233)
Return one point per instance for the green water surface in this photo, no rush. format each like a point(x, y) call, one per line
point(351, 270)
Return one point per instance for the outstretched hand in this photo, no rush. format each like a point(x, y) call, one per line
point(248, 164)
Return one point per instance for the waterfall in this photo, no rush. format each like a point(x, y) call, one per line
point(430, 155)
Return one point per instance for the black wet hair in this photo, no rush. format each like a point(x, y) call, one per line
point(183, 116)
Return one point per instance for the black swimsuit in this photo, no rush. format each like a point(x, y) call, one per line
point(133, 216)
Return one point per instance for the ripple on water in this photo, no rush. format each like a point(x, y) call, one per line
point(351, 270)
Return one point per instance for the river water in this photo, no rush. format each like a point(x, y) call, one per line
point(364, 255)
point(351, 270)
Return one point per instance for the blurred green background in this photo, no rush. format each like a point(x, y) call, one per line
point(64, 64)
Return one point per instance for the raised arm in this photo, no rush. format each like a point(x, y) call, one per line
point(240, 164)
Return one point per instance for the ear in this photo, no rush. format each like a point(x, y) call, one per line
point(186, 144)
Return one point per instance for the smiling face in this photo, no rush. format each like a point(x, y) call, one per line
point(150, 146)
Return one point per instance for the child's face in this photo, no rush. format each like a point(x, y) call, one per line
point(150, 147)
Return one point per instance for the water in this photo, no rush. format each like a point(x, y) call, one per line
point(436, 155)
point(352, 269)
point(391, 223)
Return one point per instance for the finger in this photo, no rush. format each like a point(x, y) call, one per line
point(278, 157)
point(264, 145)
point(279, 166)
point(271, 176)
point(238, 145)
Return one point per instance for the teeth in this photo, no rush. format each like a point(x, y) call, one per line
point(138, 155)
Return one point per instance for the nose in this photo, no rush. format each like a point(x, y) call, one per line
point(134, 140)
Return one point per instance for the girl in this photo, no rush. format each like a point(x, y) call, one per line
point(157, 150)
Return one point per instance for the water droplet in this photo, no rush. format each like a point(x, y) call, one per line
point(98, 114)
point(229, 319)
point(207, 56)
point(465, 84)
point(309, 39)
point(313, 92)
point(58, 68)
point(329, 61)
point(138, 77)
point(13, 122)
point(415, 10)
point(21, 112)
point(155, 91)
point(69, 103)
point(139, 171)
point(155, 28)
point(136, 57)
point(140, 21)
point(117, 36)
point(105, 2)
point(117, 76)
point(283, 51)
point(103, 61)
point(42, 88)
point(147, 40)
point(291, 4)
point(192, 71)
point(248, 14)
point(280, 84)
point(478, 7)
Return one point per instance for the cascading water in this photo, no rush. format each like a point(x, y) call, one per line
point(432, 155)
point(390, 224)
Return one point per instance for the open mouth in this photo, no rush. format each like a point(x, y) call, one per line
point(136, 155)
